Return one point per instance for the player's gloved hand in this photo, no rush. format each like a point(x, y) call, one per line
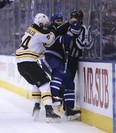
point(72, 21)
point(74, 29)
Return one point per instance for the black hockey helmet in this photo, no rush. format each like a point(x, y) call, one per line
point(75, 13)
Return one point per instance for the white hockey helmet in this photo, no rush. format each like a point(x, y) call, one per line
point(41, 18)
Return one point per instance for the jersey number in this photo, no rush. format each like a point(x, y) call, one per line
point(24, 44)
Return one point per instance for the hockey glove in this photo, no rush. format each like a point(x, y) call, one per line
point(72, 21)
point(74, 29)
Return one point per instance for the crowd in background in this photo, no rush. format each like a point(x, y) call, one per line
point(99, 18)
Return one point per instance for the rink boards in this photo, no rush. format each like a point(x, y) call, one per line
point(96, 92)
point(95, 89)
point(10, 77)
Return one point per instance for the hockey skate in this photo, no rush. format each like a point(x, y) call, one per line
point(36, 111)
point(50, 115)
point(72, 114)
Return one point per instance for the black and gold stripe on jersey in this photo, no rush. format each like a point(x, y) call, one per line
point(34, 28)
point(28, 54)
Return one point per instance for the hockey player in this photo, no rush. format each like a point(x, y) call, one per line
point(54, 64)
point(33, 45)
point(78, 45)
point(57, 25)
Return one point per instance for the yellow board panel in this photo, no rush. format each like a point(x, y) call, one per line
point(97, 120)
point(15, 89)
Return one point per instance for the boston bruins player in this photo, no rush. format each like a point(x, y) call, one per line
point(33, 45)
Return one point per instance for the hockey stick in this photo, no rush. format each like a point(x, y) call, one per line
point(66, 61)
point(66, 53)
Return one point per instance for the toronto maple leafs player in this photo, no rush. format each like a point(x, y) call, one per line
point(54, 63)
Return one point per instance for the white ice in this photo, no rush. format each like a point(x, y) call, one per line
point(15, 117)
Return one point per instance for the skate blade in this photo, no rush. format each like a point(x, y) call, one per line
point(53, 120)
point(74, 117)
point(36, 115)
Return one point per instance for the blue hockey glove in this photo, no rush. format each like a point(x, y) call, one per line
point(74, 29)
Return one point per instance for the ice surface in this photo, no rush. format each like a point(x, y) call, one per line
point(16, 117)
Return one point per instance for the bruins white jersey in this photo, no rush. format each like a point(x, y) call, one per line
point(33, 44)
